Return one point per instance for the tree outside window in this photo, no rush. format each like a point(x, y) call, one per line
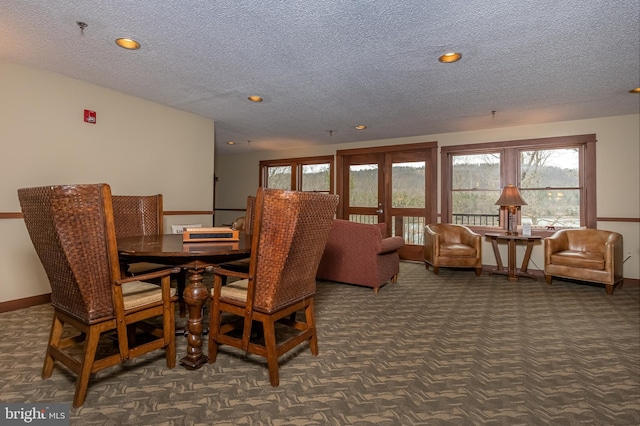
point(312, 174)
point(316, 177)
point(550, 184)
point(278, 177)
point(475, 188)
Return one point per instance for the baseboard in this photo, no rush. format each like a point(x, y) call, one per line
point(13, 305)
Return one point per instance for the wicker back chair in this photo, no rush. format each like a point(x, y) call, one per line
point(242, 265)
point(73, 233)
point(289, 236)
point(250, 215)
point(136, 215)
point(245, 223)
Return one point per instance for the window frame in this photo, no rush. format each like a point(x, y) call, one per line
point(296, 165)
point(510, 173)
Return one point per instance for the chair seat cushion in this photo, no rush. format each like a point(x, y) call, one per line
point(578, 259)
point(236, 290)
point(456, 250)
point(139, 293)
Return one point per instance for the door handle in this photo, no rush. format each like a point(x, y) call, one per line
point(379, 211)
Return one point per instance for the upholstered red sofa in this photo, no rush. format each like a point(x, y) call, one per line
point(358, 253)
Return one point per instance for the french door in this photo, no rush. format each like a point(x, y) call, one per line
point(394, 185)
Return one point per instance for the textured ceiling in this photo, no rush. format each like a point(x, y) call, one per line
point(324, 66)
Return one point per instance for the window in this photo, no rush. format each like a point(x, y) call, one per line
point(311, 174)
point(475, 188)
point(556, 177)
point(408, 186)
point(550, 184)
point(278, 177)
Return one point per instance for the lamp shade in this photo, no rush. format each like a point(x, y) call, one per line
point(510, 197)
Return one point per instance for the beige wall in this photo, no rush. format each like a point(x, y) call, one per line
point(136, 146)
point(618, 175)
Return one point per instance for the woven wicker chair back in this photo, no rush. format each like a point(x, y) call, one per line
point(250, 217)
point(290, 233)
point(71, 228)
point(137, 215)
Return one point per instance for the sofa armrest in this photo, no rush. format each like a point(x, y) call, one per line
point(391, 244)
point(431, 244)
point(553, 244)
point(613, 254)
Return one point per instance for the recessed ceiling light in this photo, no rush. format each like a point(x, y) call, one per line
point(450, 57)
point(231, 143)
point(636, 90)
point(361, 127)
point(127, 43)
point(255, 98)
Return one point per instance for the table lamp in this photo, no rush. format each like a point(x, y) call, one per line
point(511, 199)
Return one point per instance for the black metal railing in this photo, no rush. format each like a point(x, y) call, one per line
point(413, 227)
point(476, 219)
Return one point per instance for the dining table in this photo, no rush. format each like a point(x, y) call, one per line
point(195, 258)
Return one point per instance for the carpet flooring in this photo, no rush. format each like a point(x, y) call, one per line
point(452, 349)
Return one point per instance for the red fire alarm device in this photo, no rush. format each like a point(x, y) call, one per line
point(89, 116)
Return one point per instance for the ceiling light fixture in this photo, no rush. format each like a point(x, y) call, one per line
point(127, 43)
point(450, 57)
point(636, 90)
point(231, 143)
point(361, 127)
point(255, 98)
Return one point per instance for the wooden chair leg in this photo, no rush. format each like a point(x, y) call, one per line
point(54, 341)
point(89, 355)
point(436, 270)
point(478, 271)
point(548, 279)
point(169, 334)
point(214, 331)
point(311, 324)
point(272, 350)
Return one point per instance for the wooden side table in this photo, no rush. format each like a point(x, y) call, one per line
point(511, 272)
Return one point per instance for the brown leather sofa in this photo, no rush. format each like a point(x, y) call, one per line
point(592, 255)
point(358, 253)
point(451, 245)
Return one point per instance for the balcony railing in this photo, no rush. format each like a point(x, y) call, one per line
point(413, 227)
point(476, 219)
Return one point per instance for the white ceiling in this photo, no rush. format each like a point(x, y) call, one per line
point(324, 66)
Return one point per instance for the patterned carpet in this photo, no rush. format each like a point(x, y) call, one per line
point(453, 349)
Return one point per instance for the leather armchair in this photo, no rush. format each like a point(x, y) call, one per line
point(450, 245)
point(592, 255)
point(358, 253)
